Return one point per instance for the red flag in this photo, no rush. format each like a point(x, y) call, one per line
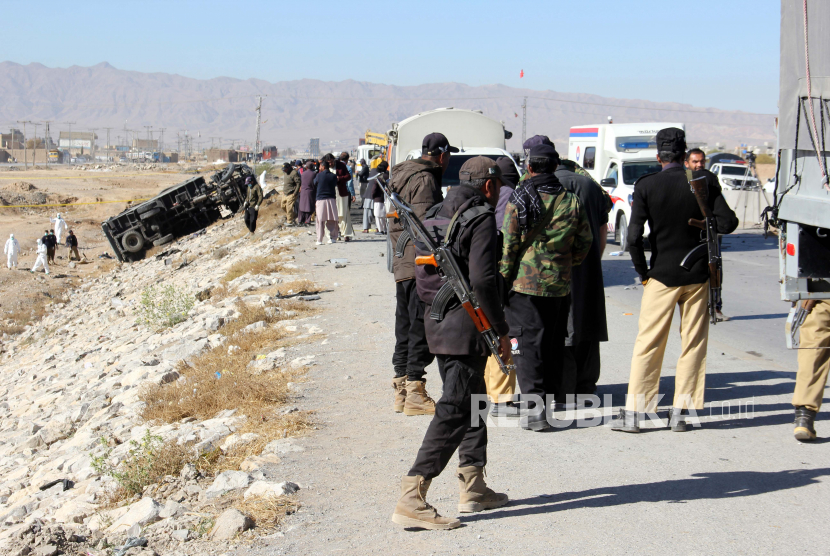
point(521, 74)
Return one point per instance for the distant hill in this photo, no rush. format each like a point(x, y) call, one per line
point(294, 111)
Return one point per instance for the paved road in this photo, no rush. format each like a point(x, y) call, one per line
point(737, 485)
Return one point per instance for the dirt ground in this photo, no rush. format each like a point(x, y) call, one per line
point(24, 296)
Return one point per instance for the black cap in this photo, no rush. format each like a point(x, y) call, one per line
point(537, 140)
point(543, 151)
point(435, 144)
point(509, 175)
point(671, 139)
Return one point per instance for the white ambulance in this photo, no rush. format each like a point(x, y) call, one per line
point(616, 156)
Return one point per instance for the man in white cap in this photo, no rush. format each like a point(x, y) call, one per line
point(60, 227)
point(11, 250)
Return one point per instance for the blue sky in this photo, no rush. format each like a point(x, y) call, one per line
point(721, 54)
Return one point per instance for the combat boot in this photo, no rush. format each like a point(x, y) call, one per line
point(418, 401)
point(677, 421)
point(414, 511)
point(474, 495)
point(628, 421)
point(399, 384)
point(804, 421)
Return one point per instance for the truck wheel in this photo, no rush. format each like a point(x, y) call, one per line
point(226, 176)
point(622, 227)
point(164, 240)
point(132, 241)
point(149, 214)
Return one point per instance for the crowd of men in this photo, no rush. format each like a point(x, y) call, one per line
point(530, 248)
point(47, 246)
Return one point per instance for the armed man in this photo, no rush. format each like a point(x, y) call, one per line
point(418, 183)
point(665, 200)
point(546, 232)
point(465, 221)
point(290, 193)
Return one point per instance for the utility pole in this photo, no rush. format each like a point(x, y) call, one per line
point(92, 145)
point(34, 146)
point(257, 146)
point(161, 141)
point(108, 143)
point(25, 149)
point(126, 136)
point(148, 128)
point(46, 139)
point(524, 121)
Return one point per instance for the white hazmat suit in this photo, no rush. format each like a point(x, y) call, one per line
point(60, 228)
point(11, 250)
point(41, 257)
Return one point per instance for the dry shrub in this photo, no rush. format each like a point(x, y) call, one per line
point(295, 286)
point(267, 511)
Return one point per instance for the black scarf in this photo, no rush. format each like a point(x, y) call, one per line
point(529, 205)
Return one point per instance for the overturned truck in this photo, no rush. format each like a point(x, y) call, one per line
point(179, 210)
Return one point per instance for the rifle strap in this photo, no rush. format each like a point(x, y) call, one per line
point(532, 235)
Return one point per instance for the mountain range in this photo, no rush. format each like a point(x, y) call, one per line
point(223, 108)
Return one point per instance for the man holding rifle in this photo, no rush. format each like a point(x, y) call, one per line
point(466, 222)
point(682, 270)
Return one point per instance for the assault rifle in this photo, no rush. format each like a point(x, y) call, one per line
point(709, 246)
point(443, 260)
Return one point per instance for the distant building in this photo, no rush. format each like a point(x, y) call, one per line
point(151, 145)
point(314, 147)
point(80, 141)
point(225, 155)
point(13, 140)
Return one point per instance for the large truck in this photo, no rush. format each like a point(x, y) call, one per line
point(616, 156)
point(179, 210)
point(801, 210)
point(470, 130)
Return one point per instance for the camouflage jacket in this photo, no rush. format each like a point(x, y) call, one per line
point(545, 268)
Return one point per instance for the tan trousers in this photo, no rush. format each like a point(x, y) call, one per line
point(288, 202)
point(813, 363)
point(500, 387)
point(656, 312)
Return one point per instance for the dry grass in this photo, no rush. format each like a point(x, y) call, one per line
point(294, 286)
point(219, 380)
point(267, 511)
point(258, 265)
point(31, 310)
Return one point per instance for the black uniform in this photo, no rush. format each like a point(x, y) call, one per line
point(459, 348)
point(587, 326)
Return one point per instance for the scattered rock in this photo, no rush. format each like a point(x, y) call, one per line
point(229, 524)
point(143, 512)
point(227, 481)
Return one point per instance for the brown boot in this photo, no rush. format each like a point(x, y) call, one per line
point(414, 511)
point(475, 496)
point(399, 384)
point(418, 401)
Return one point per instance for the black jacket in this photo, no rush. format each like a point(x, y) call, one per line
point(477, 254)
point(326, 184)
point(587, 319)
point(666, 202)
point(71, 240)
point(374, 190)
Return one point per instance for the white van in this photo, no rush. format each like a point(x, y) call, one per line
point(616, 156)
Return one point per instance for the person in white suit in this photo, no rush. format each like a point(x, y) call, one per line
point(41, 257)
point(60, 228)
point(11, 250)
